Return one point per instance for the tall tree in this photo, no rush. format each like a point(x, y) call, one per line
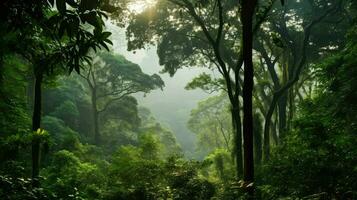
point(199, 33)
point(247, 13)
point(111, 78)
point(287, 45)
point(53, 38)
point(211, 122)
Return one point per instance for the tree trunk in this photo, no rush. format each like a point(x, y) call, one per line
point(97, 138)
point(274, 132)
point(1, 72)
point(291, 107)
point(248, 8)
point(36, 124)
point(257, 139)
point(267, 127)
point(237, 131)
point(282, 104)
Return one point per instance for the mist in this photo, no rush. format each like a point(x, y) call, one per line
point(178, 100)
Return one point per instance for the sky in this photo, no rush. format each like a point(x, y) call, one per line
point(171, 106)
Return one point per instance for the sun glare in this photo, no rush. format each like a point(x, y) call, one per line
point(138, 6)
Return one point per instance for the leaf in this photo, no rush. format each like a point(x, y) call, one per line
point(73, 27)
point(108, 41)
point(106, 34)
point(92, 19)
point(103, 14)
point(104, 45)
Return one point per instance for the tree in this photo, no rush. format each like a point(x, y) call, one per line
point(111, 78)
point(247, 13)
point(281, 48)
point(51, 40)
point(206, 35)
point(149, 125)
point(318, 155)
point(211, 122)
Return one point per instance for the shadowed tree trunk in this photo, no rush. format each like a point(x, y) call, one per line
point(95, 115)
point(237, 132)
point(257, 139)
point(248, 8)
point(282, 105)
point(36, 123)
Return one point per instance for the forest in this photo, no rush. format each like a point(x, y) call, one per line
point(178, 99)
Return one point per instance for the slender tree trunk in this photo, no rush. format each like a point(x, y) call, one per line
point(1, 72)
point(36, 124)
point(97, 138)
point(248, 8)
point(30, 92)
point(291, 106)
point(257, 139)
point(237, 131)
point(267, 127)
point(282, 105)
point(274, 132)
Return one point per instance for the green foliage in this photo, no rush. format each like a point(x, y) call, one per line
point(166, 138)
point(20, 188)
point(211, 122)
point(185, 182)
point(69, 102)
point(14, 117)
point(70, 178)
point(61, 136)
point(139, 158)
point(219, 166)
point(131, 162)
point(181, 42)
point(114, 77)
point(159, 179)
point(68, 112)
point(205, 82)
point(319, 155)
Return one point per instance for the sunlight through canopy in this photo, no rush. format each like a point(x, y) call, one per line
point(138, 6)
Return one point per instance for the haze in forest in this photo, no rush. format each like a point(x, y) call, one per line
point(172, 105)
point(178, 100)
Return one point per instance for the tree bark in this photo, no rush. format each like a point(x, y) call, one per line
point(257, 140)
point(248, 8)
point(291, 107)
point(97, 138)
point(36, 124)
point(237, 131)
point(282, 104)
point(274, 134)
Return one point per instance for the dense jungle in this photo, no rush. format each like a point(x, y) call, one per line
point(178, 99)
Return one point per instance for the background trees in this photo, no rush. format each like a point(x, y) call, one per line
point(285, 35)
point(212, 124)
point(288, 46)
point(111, 78)
point(214, 42)
point(322, 137)
point(53, 39)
